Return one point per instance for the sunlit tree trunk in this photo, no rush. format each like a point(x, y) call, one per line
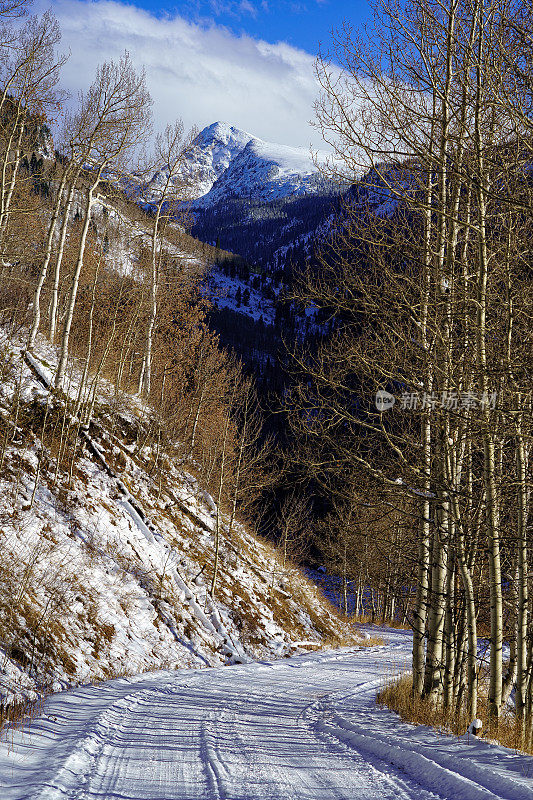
point(64, 350)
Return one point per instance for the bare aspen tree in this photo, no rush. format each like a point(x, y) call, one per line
point(113, 123)
point(293, 519)
point(251, 475)
point(171, 150)
point(29, 77)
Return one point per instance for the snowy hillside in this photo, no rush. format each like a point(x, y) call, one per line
point(114, 553)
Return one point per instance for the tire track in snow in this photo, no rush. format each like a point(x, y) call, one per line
point(257, 767)
point(302, 729)
point(378, 772)
point(214, 767)
point(458, 783)
point(314, 717)
point(72, 775)
point(143, 758)
point(450, 778)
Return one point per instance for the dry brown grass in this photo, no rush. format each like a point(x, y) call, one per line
point(366, 619)
point(373, 641)
point(396, 695)
point(18, 714)
point(336, 643)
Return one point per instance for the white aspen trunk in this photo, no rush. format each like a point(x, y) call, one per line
point(459, 680)
point(146, 371)
point(528, 739)
point(421, 608)
point(63, 357)
point(489, 460)
point(434, 656)
point(471, 615)
point(4, 184)
point(385, 606)
point(509, 680)
point(372, 603)
point(54, 299)
point(449, 637)
point(83, 381)
point(420, 611)
point(522, 573)
point(489, 473)
point(464, 523)
point(44, 269)
point(446, 237)
point(12, 182)
point(492, 505)
point(344, 584)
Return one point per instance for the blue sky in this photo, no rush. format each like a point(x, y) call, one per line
point(302, 23)
point(245, 62)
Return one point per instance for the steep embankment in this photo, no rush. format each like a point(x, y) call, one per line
point(107, 551)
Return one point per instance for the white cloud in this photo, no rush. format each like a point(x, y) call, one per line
point(199, 73)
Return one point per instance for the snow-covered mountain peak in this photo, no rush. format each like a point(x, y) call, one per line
point(262, 171)
point(229, 162)
point(215, 148)
point(225, 134)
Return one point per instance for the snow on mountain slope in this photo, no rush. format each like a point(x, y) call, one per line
point(303, 729)
point(224, 292)
point(215, 148)
point(264, 171)
point(105, 571)
point(228, 162)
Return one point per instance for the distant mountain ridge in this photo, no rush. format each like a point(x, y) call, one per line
point(263, 171)
point(227, 162)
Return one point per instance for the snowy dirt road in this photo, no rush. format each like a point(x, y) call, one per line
point(288, 730)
